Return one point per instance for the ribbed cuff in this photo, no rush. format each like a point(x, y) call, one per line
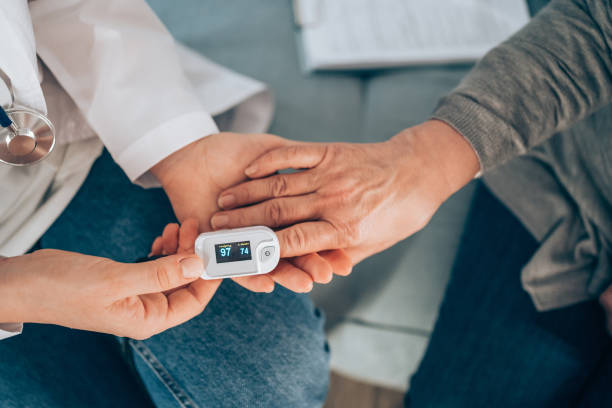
point(490, 136)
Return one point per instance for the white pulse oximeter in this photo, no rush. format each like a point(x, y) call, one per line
point(238, 252)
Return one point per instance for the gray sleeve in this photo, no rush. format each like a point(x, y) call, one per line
point(552, 73)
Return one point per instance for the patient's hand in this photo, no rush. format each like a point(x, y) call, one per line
point(298, 277)
point(194, 177)
point(360, 197)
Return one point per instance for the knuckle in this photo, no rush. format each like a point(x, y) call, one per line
point(349, 233)
point(321, 205)
point(314, 178)
point(162, 277)
point(330, 153)
point(278, 186)
point(274, 213)
point(296, 239)
point(291, 152)
point(244, 195)
point(344, 198)
point(242, 219)
point(331, 149)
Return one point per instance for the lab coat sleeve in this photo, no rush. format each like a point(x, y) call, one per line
point(18, 61)
point(18, 56)
point(119, 64)
point(10, 329)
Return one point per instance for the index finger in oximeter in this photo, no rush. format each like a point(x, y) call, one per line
point(238, 252)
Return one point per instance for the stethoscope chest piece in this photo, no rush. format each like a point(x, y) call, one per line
point(28, 140)
point(26, 136)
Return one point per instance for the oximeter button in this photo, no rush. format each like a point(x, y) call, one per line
point(267, 253)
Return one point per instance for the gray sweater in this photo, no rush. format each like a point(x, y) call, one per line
point(536, 110)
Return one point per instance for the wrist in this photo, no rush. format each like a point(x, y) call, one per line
point(173, 166)
point(163, 169)
point(11, 305)
point(445, 154)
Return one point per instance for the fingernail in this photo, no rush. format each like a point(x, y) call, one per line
point(227, 200)
point(309, 286)
point(251, 169)
point(219, 221)
point(192, 267)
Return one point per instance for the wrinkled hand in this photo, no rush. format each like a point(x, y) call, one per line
point(97, 294)
point(360, 197)
point(181, 240)
point(194, 177)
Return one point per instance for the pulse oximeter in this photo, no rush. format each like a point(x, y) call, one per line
point(238, 252)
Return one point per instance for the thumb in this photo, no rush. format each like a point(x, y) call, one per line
point(306, 238)
point(162, 274)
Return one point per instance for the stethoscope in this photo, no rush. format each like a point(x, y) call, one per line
point(26, 136)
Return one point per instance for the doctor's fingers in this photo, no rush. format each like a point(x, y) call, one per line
point(175, 239)
point(156, 247)
point(160, 312)
point(280, 185)
point(187, 235)
point(277, 212)
point(190, 301)
point(170, 238)
point(155, 276)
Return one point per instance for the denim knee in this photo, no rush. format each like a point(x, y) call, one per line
point(246, 349)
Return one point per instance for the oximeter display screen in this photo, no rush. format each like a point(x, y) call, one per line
point(233, 251)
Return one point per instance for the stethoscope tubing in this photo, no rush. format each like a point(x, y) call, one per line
point(5, 120)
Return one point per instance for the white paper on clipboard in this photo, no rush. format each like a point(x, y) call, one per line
point(357, 34)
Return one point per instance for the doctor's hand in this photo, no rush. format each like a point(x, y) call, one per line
point(181, 240)
point(97, 294)
point(193, 178)
point(360, 197)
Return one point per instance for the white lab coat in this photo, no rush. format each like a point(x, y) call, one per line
point(113, 76)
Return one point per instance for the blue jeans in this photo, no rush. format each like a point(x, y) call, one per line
point(246, 349)
point(491, 348)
